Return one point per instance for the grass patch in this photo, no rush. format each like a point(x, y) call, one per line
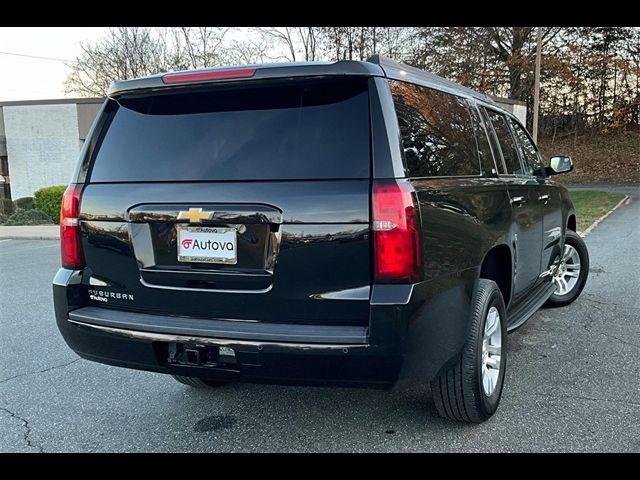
point(592, 204)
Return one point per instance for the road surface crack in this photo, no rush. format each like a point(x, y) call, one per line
point(597, 270)
point(619, 339)
point(48, 369)
point(27, 429)
point(608, 304)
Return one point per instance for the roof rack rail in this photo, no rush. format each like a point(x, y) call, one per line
point(401, 71)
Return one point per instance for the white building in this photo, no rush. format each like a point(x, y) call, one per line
point(517, 107)
point(40, 141)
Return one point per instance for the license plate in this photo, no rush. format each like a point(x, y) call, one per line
point(207, 245)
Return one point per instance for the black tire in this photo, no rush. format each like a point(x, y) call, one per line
point(198, 382)
point(457, 390)
point(576, 241)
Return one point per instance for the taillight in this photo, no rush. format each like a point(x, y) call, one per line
point(71, 250)
point(397, 253)
point(208, 75)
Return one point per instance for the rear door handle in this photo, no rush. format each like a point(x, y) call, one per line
point(518, 201)
point(544, 198)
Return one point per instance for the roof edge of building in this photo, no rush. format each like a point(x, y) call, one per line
point(510, 101)
point(51, 101)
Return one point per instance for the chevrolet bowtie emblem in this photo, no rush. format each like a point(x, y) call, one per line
point(195, 215)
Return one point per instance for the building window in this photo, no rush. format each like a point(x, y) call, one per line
point(4, 166)
point(5, 188)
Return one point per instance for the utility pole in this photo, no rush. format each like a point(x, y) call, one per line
point(536, 91)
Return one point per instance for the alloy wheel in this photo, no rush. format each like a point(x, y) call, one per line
point(568, 271)
point(491, 351)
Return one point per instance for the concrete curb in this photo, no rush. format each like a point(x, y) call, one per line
point(29, 232)
point(626, 200)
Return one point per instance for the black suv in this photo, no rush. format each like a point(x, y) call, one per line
point(348, 223)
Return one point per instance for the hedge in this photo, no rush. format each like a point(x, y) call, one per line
point(28, 217)
point(48, 200)
point(6, 206)
point(23, 203)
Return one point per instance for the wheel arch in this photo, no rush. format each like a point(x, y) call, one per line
point(568, 211)
point(497, 265)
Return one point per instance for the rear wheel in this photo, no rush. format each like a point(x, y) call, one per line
point(571, 275)
point(198, 382)
point(470, 390)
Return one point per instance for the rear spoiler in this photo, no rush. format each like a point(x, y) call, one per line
point(246, 73)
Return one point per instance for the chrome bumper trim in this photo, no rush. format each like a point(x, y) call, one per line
point(164, 337)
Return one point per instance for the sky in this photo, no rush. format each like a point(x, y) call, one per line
point(25, 78)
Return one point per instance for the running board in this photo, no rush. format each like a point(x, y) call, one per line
point(525, 310)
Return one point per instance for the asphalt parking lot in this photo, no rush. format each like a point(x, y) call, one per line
point(573, 381)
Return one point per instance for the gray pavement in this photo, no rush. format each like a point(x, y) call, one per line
point(572, 381)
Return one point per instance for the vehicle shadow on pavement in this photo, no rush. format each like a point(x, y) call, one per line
point(277, 408)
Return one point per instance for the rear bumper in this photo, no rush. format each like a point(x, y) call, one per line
point(412, 333)
point(295, 354)
point(302, 364)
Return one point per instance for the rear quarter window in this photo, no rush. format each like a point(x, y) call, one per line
point(532, 161)
point(507, 143)
point(437, 133)
point(299, 130)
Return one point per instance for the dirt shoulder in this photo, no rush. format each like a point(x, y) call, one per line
point(599, 157)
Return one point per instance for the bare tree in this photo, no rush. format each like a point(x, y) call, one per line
point(359, 43)
point(204, 46)
point(280, 37)
point(131, 52)
point(308, 39)
point(514, 47)
point(253, 49)
point(124, 53)
point(291, 43)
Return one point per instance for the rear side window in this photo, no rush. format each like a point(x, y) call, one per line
point(507, 145)
point(437, 133)
point(301, 130)
point(529, 152)
point(484, 149)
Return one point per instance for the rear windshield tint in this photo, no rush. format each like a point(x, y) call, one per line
point(297, 130)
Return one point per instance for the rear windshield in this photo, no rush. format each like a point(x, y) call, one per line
point(296, 130)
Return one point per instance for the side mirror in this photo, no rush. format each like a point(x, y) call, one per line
point(560, 164)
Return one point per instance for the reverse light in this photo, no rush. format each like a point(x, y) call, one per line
point(196, 76)
point(397, 249)
point(70, 249)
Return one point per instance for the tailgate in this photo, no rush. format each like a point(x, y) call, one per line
point(302, 250)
